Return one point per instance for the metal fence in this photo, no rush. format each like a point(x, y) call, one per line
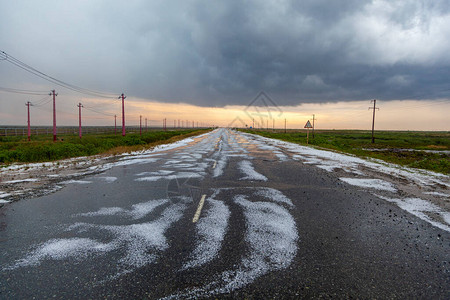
point(23, 131)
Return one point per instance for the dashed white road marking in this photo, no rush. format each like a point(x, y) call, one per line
point(199, 209)
point(215, 163)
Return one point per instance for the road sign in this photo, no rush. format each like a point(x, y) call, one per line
point(308, 125)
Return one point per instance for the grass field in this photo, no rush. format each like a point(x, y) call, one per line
point(41, 148)
point(400, 147)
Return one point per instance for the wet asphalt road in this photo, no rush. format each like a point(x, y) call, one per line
point(269, 227)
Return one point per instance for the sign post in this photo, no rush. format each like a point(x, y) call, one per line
point(308, 126)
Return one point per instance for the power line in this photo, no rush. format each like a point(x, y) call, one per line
point(420, 106)
point(97, 111)
point(42, 101)
point(96, 118)
point(26, 92)
point(43, 109)
point(6, 57)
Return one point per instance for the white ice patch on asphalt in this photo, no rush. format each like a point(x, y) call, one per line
point(3, 195)
point(58, 249)
point(274, 195)
point(155, 173)
point(186, 157)
point(22, 180)
point(136, 212)
point(377, 184)
point(272, 240)
point(239, 155)
point(247, 168)
point(177, 144)
point(420, 208)
point(140, 242)
point(271, 233)
point(326, 168)
point(211, 230)
point(173, 162)
point(124, 161)
point(138, 157)
point(104, 211)
point(266, 147)
point(183, 165)
point(2, 201)
point(109, 179)
point(90, 165)
point(330, 160)
point(281, 156)
point(220, 166)
point(76, 182)
point(179, 175)
point(428, 193)
point(298, 157)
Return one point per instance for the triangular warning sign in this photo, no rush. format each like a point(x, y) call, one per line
point(308, 125)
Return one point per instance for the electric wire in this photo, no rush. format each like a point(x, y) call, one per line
point(97, 111)
point(73, 87)
point(41, 101)
point(6, 57)
point(416, 106)
point(25, 92)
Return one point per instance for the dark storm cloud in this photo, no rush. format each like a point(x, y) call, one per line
point(218, 53)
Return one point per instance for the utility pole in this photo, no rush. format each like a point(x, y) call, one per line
point(28, 112)
point(373, 119)
point(273, 125)
point(253, 124)
point(79, 119)
point(54, 114)
point(123, 113)
point(115, 124)
point(140, 125)
point(313, 125)
point(145, 124)
point(285, 125)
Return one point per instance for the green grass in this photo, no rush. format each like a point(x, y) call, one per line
point(42, 148)
point(390, 145)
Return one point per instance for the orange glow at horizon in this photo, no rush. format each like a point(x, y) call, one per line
point(392, 115)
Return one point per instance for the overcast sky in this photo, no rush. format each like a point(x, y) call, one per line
point(216, 53)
